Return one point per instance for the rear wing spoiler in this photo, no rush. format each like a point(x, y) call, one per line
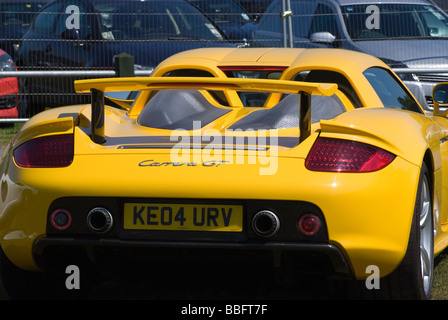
point(97, 87)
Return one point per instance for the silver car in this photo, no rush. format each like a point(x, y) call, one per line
point(406, 34)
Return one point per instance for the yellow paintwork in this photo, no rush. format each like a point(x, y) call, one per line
point(157, 83)
point(368, 215)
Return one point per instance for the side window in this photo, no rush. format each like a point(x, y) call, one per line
point(325, 20)
point(45, 20)
point(437, 25)
point(271, 21)
point(390, 91)
point(302, 18)
point(74, 17)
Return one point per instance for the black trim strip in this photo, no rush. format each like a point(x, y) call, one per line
point(137, 142)
point(337, 258)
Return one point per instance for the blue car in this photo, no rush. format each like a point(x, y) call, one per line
point(15, 18)
point(88, 35)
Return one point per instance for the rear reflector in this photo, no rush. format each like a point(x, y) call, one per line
point(46, 152)
point(334, 155)
point(309, 224)
point(61, 219)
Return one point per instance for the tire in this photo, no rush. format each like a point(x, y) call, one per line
point(20, 284)
point(414, 277)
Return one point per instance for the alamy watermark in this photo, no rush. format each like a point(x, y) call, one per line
point(211, 148)
point(373, 20)
point(73, 20)
point(373, 280)
point(73, 281)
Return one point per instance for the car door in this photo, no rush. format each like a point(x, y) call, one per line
point(69, 49)
point(269, 31)
point(326, 27)
point(38, 40)
point(74, 34)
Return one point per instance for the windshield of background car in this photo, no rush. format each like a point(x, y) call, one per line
point(223, 11)
point(123, 20)
point(17, 14)
point(395, 21)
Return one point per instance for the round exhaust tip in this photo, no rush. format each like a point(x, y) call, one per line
point(99, 220)
point(265, 223)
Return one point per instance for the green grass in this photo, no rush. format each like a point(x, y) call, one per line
point(7, 132)
point(440, 285)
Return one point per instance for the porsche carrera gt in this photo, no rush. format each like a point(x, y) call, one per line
point(303, 160)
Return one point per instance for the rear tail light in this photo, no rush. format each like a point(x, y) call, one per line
point(334, 155)
point(46, 152)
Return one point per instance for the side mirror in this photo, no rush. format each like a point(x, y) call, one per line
point(322, 37)
point(440, 98)
point(70, 34)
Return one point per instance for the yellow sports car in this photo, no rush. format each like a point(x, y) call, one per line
point(292, 160)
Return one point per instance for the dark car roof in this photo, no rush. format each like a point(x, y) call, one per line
point(99, 1)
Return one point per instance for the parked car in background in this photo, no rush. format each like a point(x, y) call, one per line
point(87, 35)
point(15, 18)
point(9, 88)
point(404, 34)
point(255, 7)
point(233, 19)
point(443, 4)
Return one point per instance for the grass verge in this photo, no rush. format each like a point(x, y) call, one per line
point(7, 132)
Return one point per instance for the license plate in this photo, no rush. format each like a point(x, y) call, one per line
point(189, 217)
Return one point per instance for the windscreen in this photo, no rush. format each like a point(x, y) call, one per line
point(394, 21)
point(154, 19)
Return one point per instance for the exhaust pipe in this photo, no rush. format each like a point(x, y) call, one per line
point(265, 223)
point(99, 220)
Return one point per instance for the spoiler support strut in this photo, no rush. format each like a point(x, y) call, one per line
point(305, 115)
point(97, 117)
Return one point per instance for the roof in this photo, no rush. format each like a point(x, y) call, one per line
point(269, 56)
point(353, 2)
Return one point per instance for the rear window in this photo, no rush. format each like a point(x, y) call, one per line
point(179, 109)
point(286, 114)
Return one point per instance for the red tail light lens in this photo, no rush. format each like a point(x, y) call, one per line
point(334, 155)
point(46, 152)
point(309, 224)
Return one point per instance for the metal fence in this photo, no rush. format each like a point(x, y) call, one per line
point(69, 41)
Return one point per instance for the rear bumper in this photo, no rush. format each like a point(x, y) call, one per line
point(53, 252)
